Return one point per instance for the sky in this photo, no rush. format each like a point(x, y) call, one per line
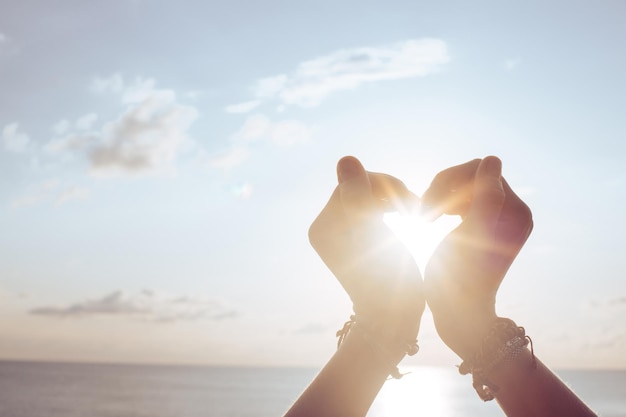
point(161, 162)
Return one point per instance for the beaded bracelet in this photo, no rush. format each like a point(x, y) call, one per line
point(504, 343)
point(409, 347)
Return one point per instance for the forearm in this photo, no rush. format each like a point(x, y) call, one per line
point(526, 391)
point(349, 382)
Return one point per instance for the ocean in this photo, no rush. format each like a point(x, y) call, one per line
point(37, 389)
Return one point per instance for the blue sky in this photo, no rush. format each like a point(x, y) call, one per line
point(160, 164)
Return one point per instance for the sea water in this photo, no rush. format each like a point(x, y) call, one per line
point(37, 389)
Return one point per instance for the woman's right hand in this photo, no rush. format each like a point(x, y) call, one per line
point(464, 273)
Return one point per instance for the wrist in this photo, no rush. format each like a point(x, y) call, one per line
point(504, 343)
point(384, 344)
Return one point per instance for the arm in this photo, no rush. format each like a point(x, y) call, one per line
point(383, 282)
point(462, 280)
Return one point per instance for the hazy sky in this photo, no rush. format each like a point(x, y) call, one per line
point(160, 163)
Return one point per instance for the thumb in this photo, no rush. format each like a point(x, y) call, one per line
point(355, 189)
point(488, 196)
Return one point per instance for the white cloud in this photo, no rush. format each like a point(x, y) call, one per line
point(147, 305)
point(146, 138)
point(231, 158)
point(36, 194)
point(72, 142)
point(61, 127)
point(242, 107)
point(290, 132)
point(49, 191)
point(86, 122)
point(14, 140)
point(72, 193)
point(346, 69)
point(281, 133)
point(259, 128)
point(270, 86)
point(112, 84)
point(253, 128)
point(140, 90)
point(511, 63)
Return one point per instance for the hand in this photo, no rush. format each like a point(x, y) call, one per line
point(373, 266)
point(463, 275)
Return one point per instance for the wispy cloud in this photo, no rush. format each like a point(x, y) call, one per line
point(111, 84)
point(259, 128)
point(244, 107)
point(282, 132)
point(230, 158)
point(316, 79)
point(147, 137)
point(50, 191)
point(86, 122)
point(147, 305)
point(13, 139)
point(72, 192)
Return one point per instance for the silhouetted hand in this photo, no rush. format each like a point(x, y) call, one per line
point(463, 275)
point(372, 265)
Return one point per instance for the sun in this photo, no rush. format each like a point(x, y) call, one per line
point(420, 236)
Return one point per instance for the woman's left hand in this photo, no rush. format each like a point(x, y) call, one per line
point(373, 266)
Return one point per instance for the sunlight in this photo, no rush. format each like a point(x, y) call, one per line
point(424, 392)
point(420, 236)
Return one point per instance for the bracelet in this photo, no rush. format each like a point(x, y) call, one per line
point(410, 347)
point(504, 343)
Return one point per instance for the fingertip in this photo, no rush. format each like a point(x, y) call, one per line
point(492, 166)
point(348, 167)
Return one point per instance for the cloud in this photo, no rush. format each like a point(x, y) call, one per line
point(270, 86)
point(511, 63)
point(145, 139)
point(111, 84)
point(72, 193)
point(314, 80)
point(13, 139)
point(86, 122)
point(290, 132)
point(61, 127)
point(242, 107)
point(283, 133)
point(230, 158)
point(253, 128)
point(50, 191)
point(259, 128)
point(3, 38)
point(147, 305)
point(140, 90)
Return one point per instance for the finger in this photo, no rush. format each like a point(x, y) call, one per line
point(326, 221)
point(450, 191)
point(391, 194)
point(488, 197)
point(355, 189)
point(516, 218)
